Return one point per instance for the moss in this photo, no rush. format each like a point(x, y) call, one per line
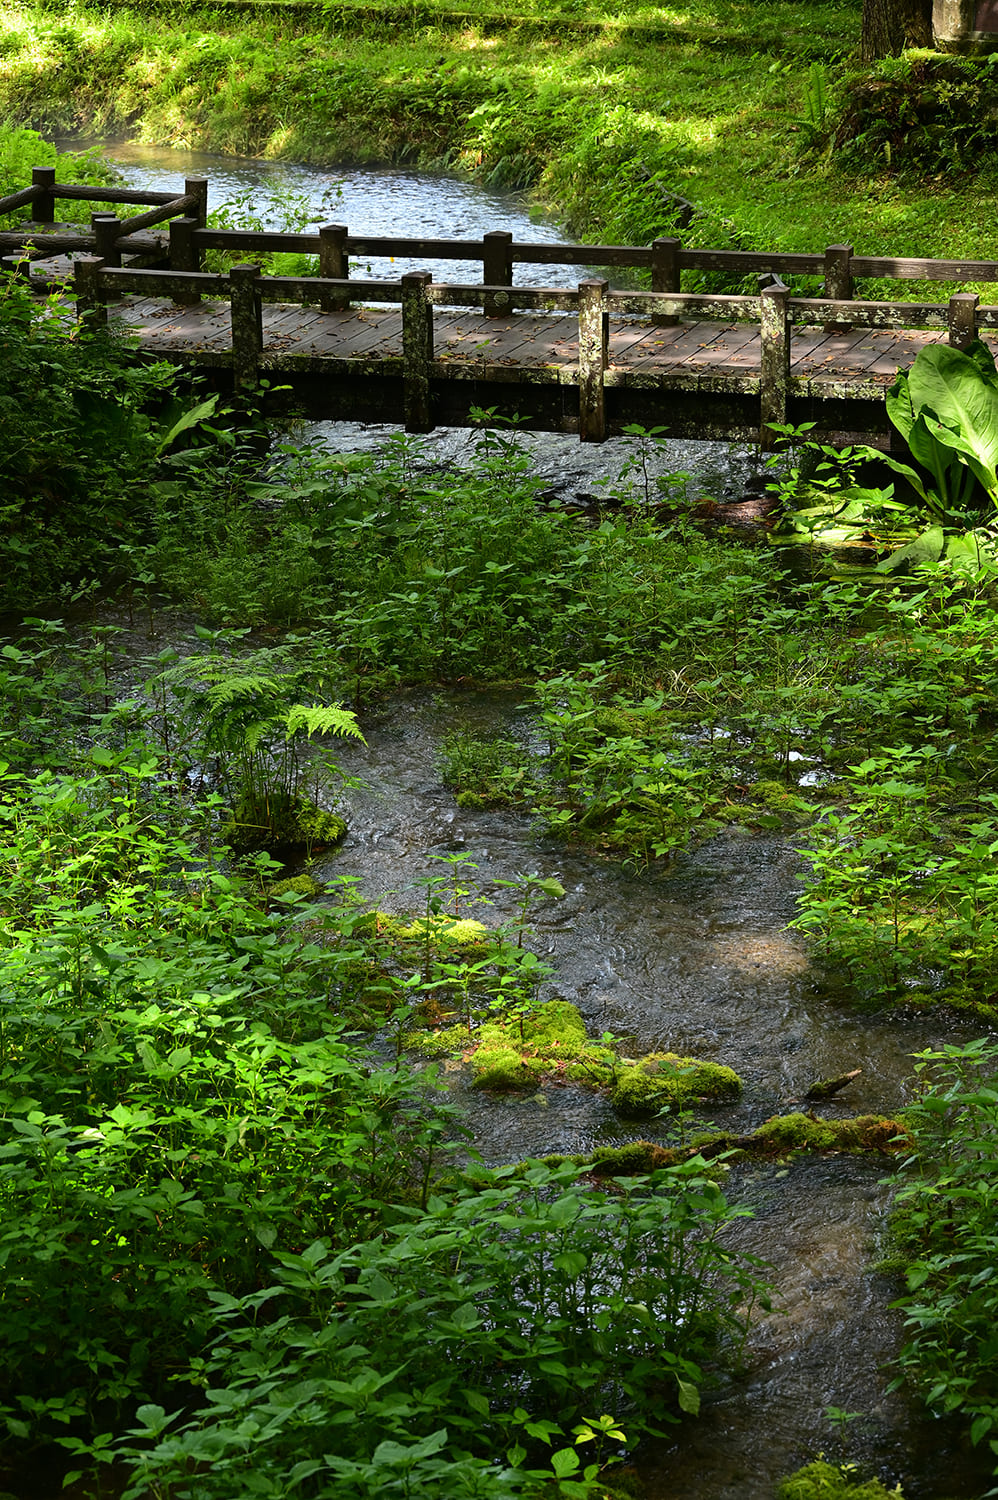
point(871, 1133)
point(796, 1132)
point(823, 1481)
point(446, 931)
point(663, 1080)
point(280, 822)
point(634, 1159)
point(296, 885)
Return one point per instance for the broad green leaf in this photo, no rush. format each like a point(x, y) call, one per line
point(689, 1397)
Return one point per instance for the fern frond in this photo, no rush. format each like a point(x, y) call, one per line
point(315, 718)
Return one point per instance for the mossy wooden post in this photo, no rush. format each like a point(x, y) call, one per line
point(43, 208)
point(774, 364)
point(594, 356)
point(417, 350)
point(497, 269)
point(665, 273)
point(838, 281)
point(334, 264)
point(91, 304)
point(184, 255)
point(247, 325)
point(961, 319)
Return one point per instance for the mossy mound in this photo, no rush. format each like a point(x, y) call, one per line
point(551, 1041)
point(515, 1054)
point(296, 885)
point(823, 1481)
point(663, 1080)
point(796, 1132)
point(280, 822)
point(444, 932)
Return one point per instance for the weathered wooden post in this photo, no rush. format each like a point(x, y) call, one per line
point(184, 255)
point(334, 264)
point(594, 356)
point(417, 350)
point(665, 273)
point(774, 361)
point(17, 265)
point(961, 320)
point(497, 269)
point(246, 313)
point(197, 187)
point(91, 303)
point(838, 281)
point(106, 228)
point(43, 208)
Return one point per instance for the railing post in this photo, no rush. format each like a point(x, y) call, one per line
point(17, 265)
point(91, 302)
point(665, 273)
point(43, 208)
point(106, 228)
point(184, 255)
point(594, 356)
point(334, 264)
point(247, 325)
point(838, 280)
point(417, 350)
point(774, 361)
point(497, 269)
point(197, 187)
point(961, 319)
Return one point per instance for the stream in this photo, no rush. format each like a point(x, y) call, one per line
point(692, 958)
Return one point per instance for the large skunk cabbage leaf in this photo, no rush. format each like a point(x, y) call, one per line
point(960, 407)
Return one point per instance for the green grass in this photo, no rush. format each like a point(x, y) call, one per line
point(592, 109)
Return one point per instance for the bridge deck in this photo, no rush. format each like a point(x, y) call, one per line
point(523, 340)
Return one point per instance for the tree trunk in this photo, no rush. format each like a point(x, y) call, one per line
point(891, 25)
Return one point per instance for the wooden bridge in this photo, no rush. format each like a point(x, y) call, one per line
point(590, 360)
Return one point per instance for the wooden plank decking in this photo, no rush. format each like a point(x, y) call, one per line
point(522, 341)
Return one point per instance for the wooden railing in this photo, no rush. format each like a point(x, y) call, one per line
point(593, 302)
point(666, 258)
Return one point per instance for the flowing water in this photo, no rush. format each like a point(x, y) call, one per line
point(694, 958)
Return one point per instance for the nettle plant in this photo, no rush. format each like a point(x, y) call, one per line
point(249, 723)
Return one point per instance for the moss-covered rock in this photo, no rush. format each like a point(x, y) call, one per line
point(663, 1080)
point(296, 885)
point(796, 1132)
point(824, 1481)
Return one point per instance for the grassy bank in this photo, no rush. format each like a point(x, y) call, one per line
point(598, 113)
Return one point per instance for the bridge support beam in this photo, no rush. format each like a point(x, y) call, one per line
point(594, 356)
point(774, 381)
point(247, 325)
point(417, 350)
